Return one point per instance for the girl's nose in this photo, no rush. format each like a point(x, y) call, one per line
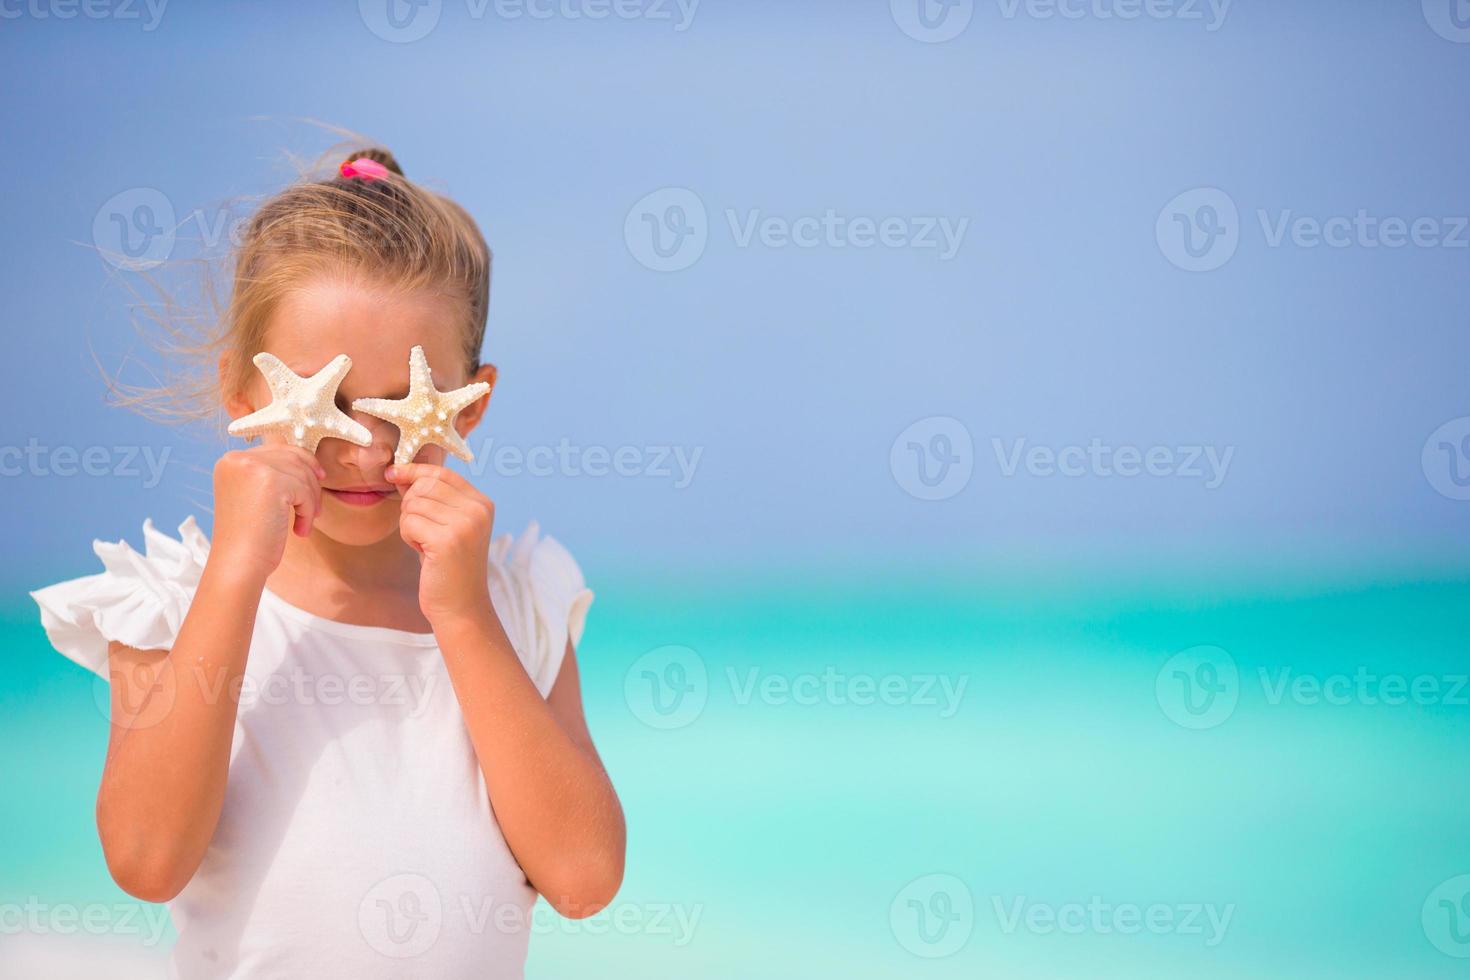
point(378, 453)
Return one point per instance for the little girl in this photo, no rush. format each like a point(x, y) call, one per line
point(347, 734)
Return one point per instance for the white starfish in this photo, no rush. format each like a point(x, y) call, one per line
point(304, 410)
point(426, 415)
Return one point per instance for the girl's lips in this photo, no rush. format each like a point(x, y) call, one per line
point(361, 496)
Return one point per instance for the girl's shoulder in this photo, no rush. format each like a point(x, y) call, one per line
point(542, 600)
point(140, 598)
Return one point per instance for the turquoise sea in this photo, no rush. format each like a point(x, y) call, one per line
point(1000, 776)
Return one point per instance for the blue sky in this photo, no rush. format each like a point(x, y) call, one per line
point(1024, 284)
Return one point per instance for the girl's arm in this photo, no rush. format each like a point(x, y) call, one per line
point(551, 796)
point(173, 712)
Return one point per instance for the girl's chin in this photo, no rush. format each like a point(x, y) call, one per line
point(351, 525)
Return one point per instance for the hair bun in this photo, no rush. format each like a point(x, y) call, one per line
point(378, 154)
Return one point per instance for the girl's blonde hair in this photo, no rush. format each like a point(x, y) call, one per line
point(388, 230)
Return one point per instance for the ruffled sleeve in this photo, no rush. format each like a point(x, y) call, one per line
point(138, 599)
point(541, 599)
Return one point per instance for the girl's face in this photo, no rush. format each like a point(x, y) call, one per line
point(376, 328)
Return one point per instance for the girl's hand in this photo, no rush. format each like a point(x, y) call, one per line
point(260, 495)
point(448, 522)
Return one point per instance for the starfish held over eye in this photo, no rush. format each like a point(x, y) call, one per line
point(304, 410)
point(426, 415)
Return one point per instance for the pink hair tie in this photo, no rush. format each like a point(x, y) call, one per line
point(364, 167)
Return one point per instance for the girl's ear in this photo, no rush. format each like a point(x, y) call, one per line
point(470, 417)
point(235, 402)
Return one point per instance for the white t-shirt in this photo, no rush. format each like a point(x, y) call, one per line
point(357, 838)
